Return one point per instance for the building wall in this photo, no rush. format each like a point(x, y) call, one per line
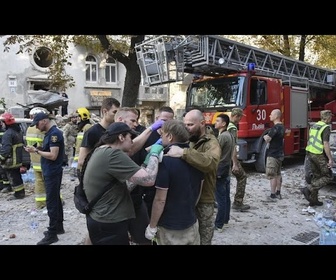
point(178, 95)
point(18, 70)
point(14, 68)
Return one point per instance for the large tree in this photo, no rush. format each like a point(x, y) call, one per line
point(133, 74)
point(120, 48)
point(319, 50)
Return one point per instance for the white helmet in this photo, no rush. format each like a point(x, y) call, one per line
point(37, 110)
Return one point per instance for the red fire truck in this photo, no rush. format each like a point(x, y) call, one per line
point(230, 74)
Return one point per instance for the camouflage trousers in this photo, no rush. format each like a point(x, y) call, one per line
point(322, 175)
point(189, 236)
point(241, 178)
point(205, 216)
point(69, 151)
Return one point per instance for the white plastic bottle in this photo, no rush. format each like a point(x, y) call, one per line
point(34, 221)
point(24, 177)
point(31, 175)
point(330, 223)
point(328, 210)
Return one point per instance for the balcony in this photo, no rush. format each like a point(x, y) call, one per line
point(153, 93)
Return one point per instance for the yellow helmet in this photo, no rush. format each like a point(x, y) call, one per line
point(83, 113)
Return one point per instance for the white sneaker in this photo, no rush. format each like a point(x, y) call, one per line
point(219, 229)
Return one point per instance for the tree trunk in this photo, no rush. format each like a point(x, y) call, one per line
point(133, 75)
point(132, 83)
point(302, 47)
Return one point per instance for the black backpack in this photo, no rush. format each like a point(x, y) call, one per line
point(81, 202)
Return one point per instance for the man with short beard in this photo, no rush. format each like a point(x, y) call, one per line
point(204, 154)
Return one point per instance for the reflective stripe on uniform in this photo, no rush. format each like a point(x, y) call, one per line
point(315, 143)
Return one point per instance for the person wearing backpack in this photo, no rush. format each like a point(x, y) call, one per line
point(108, 221)
point(92, 135)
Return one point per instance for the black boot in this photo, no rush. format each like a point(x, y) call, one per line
point(306, 193)
point(7, 189)
point(60, 230)
point(18, 195)
point(316, 203)
point(48, 239)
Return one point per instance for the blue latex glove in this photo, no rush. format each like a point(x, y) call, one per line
point(156, 150)
point(155, 126)
point(158, 142)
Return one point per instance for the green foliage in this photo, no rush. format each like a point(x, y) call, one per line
point(89, 42)
point(120, 43)
point(120, 47)
point(59, 46)
point(325, 47)
point(319, 50)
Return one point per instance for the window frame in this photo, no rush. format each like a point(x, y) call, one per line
point(89, 69)
point(109, 68)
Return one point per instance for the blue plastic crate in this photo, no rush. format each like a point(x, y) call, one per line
point(327, 237)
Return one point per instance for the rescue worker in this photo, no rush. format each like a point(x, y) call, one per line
point(70, 133)
point(320, 158)
point(84, 124)
point(237, 169)
point(11, 155)
point(4, 182)
point(51, 152)
point(34, 137)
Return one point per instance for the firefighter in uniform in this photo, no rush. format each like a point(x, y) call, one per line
point(34, 137)
point(319, 156)
point(4, 182)
point(83, 125)
point(11, 155)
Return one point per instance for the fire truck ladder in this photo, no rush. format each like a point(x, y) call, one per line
point(165, 59)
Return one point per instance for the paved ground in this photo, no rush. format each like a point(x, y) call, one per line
point(287, 222)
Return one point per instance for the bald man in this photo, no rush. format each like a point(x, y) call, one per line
point(275, 154)
point(204, 154)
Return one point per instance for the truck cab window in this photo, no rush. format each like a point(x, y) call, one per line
point(257, 92)
point(225, 92)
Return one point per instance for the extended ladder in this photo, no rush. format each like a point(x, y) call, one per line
point(164, 59)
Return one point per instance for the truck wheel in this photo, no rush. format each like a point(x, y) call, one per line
point(260, 164)
point(307, 170)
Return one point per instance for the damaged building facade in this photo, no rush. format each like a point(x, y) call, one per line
point(24, 79)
